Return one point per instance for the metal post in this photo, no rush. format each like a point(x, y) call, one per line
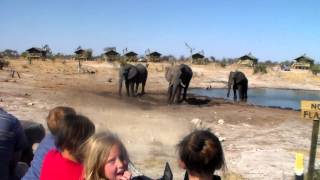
point(313, 150)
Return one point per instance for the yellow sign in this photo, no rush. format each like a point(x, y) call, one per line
point(298, 168)
point(310, 110)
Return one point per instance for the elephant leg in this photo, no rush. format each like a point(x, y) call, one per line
point(241, 92)
point(245, 91)
point(127, 87)
point(235, 93)
point(137, 87)
point(185, 89)
point(177, 95)
point(132, 89)
point(170, 88)
point(143, 84)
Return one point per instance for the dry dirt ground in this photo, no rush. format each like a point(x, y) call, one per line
point(259, 142)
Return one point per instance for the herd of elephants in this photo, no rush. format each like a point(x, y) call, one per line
point(179, 77)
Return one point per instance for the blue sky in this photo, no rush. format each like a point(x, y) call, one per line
point(270, 29)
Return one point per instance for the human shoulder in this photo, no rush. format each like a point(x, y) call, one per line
point(7, 121)
point(53, 153)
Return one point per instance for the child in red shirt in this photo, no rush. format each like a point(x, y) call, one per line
point(65, 164)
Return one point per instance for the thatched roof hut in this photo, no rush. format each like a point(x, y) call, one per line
point(82, 54)
point(303, 62)
point(198, 58)
point(154, 56)
point(112, 55)
point(248, 60)
point(131, 56)
point(36, 53)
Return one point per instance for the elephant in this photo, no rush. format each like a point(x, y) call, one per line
point(239, 82)
point(178, 76)
point(132, 75)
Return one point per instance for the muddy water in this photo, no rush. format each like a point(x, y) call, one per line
point(284, 98)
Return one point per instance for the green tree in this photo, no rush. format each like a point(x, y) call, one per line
point(260, 68)
point(315, 69)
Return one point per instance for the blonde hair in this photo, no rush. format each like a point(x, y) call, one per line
point(96, 151)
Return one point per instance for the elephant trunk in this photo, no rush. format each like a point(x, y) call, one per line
point(230, 83)
point(175, 92)
point(229, 87)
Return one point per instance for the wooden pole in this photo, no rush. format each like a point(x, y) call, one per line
point(313, 150)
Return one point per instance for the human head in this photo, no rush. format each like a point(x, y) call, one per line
point(105, 157)
point(55, 115)
point(200, 152)
point(74, 130)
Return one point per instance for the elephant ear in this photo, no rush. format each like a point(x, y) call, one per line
point(132, 73)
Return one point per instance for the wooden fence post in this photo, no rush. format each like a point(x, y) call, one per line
point(313, 150)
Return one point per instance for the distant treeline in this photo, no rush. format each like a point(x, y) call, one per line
point(14, 54)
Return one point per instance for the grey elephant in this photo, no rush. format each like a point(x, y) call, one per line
point(238, 81)
point(179, 77)
point(133, 75)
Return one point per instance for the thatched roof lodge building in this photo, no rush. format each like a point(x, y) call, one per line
point(198, 58)
point(248, 60)
point(112, 55)
point(131, 56)
point(302, 62)
point(154, 57)
point(82, 54)
point(36, 53)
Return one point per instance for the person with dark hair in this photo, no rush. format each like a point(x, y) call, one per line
point(53, 120)
point(12, 142)
point(34, 132)
point(64, 164)
point(200, 153)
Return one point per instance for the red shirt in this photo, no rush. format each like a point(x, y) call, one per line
point(55, 167)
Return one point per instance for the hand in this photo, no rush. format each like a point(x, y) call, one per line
point(126, 176)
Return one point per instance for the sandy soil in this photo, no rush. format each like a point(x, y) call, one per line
point(259, 143)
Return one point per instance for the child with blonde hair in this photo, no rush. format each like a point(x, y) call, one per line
point(105, 158)
point(201, 154)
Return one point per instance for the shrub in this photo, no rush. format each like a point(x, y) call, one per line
point(315, 69)
point(223, 64)
point(3, 63)
point(260, 68)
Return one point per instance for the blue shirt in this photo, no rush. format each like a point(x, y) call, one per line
point(12, 140)
point(45, 145)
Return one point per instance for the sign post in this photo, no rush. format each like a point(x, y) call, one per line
point(311, 110)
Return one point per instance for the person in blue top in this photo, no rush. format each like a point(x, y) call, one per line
point(12, 142)
point(55, 115)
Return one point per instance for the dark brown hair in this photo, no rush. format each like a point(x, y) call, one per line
point(55, 115)
point(74, 130)
point(201, 152)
